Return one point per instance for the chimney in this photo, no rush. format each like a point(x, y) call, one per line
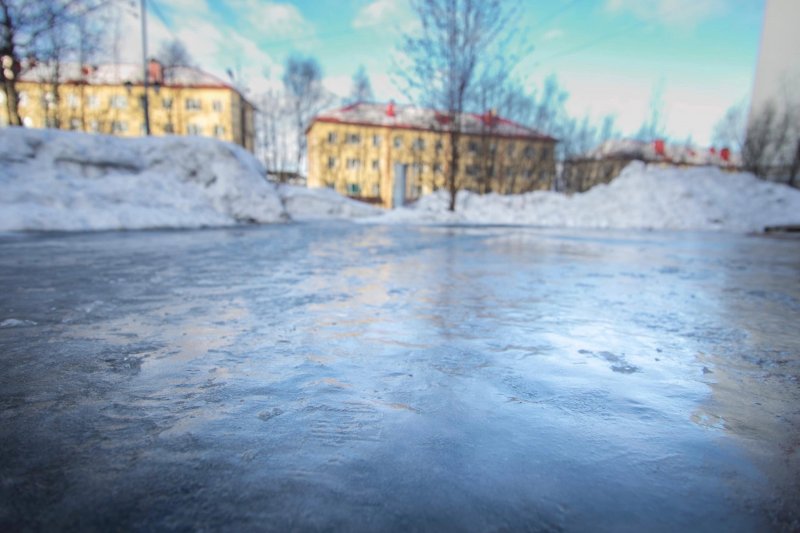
point(659, 147)
point(725, 154)
point(390, 109)
point(155, 72)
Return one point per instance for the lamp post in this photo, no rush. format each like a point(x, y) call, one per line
point(145, 102)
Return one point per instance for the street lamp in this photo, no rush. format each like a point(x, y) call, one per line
point(145, 102)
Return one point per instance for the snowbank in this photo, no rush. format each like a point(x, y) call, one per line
point(320, 204)
point(641, 197)
point(55, 180)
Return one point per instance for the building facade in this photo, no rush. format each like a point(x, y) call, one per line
point(109, 99)
point(358, 150)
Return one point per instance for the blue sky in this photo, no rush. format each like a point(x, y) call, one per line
point(609, 54)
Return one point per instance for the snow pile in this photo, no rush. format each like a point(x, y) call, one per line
point(55, 180)
point(641, 197)
point(319, 204)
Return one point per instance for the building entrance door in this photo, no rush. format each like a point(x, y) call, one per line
point(399, 188)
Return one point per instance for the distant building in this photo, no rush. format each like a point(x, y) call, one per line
point(777, 83)
point(777, 78)
point(108, 99)
point(607, 161)
point(359, 150)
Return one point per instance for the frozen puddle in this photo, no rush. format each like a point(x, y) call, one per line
point(338, 376)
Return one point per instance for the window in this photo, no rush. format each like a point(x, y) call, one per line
point(94, 126)
point(331, 162)
point(375, 164)
point(439, 146)
point(510, 149)
point(169, 128)
point(418, 168)
point(353, 188)
point(530, 152)
point(542, 175)
point(119, 126)
point(118, 101)
point(74, 124)
point(419, 143)
point(332, 137)
point(473, 147)
point(193, 104)
point(166, 103)
point(93, 102)
point(73, 101)
point(437, 168)
point(353, 138)
point(193, 129)
point(416, 191)
point(23, 98)
point(353, 164)
point(27, 122)
point(216, 105)
point(376, 190)
point(219, 131)
point(471, 170)
point(545, 153)
point(509, 173)
point(376, 140)
point(398, 141)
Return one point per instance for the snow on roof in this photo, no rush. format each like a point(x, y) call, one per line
point(418, 118)
point(118, 74)
point(676, 153)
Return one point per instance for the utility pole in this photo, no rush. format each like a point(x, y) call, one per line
point(145, 100)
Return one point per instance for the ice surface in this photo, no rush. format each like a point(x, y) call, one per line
point(336, 376)
point(643, 197)
point(15, 323)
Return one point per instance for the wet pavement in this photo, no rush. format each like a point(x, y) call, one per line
point(337, 376)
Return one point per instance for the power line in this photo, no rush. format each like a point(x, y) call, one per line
point(542, 23)
point(602, 38)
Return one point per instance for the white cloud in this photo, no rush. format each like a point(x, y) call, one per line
point(383, 13)
point(273, 19)
point(686, 13)
point(552, 35)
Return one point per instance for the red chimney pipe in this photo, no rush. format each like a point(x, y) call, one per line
point(390, 110)
point(725, 153)
point(659, 146)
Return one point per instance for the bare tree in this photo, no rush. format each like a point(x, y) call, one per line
point(653, 126)
point(457, 41)
point(273, 130)
point(362, 88)
point(768, 140)
point(303, 83)
point(173, 54)
point(768, 148)
point(37, 30)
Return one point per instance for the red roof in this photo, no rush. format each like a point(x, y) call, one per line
point(423, 119)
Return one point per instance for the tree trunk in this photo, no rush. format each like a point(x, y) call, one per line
point(452, 186)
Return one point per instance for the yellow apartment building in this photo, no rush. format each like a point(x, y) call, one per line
point(390, 155)
point(109, 99)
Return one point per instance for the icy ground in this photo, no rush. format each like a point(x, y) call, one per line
point(642, 197)
point(337, 376)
